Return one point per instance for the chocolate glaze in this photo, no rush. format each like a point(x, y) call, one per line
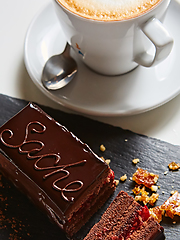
point(50, 156)
point(33, 154)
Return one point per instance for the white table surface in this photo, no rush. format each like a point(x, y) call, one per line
point(15, 16)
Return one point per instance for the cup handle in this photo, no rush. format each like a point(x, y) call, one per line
point(161, 39)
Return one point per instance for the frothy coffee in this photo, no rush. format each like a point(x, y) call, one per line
point(109, 10)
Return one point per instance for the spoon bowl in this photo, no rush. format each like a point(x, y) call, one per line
point(59, 70)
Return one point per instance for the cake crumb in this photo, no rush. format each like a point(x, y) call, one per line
point(135, 161)
point(123, 178)
point(102, 148)
point(166, 172)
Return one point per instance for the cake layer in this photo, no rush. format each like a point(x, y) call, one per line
point(115, 218)
point(126, 219)
point(53, 167)
point(95, 202)
point(150, 230)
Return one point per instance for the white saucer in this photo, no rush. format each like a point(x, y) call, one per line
point(138, 91)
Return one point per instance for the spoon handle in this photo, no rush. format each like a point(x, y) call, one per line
point(66, 51)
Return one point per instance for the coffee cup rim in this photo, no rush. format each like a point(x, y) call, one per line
point(78, 16)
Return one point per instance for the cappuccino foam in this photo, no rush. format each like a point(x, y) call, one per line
point(109, 9)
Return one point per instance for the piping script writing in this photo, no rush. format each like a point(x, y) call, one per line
point(32, 154)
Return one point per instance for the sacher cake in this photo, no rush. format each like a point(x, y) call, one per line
point(125, 219)
point(55, 169)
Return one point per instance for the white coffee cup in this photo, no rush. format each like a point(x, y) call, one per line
point(114, 47)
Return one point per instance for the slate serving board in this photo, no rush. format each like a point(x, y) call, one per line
point(20, 219)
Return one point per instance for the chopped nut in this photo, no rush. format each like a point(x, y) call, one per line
point(137, 190)
point(123, 178)
point(157, 213)
point(116, 182)
point(138, 198)
point(103, 159)
point(172, 205)
point(102, 148)
point(141, 194)
point(108, 161)
point(144, 177)
point(154, 188)
point(174, 166)
point(153, 198)
point(144, 199)
point(135, 161)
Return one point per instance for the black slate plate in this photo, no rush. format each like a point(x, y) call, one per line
point(19, 219)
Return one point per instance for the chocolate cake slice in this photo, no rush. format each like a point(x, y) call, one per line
point(56, 170)
point(125, 219)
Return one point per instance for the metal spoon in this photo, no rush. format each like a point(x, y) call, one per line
point(59, 70)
